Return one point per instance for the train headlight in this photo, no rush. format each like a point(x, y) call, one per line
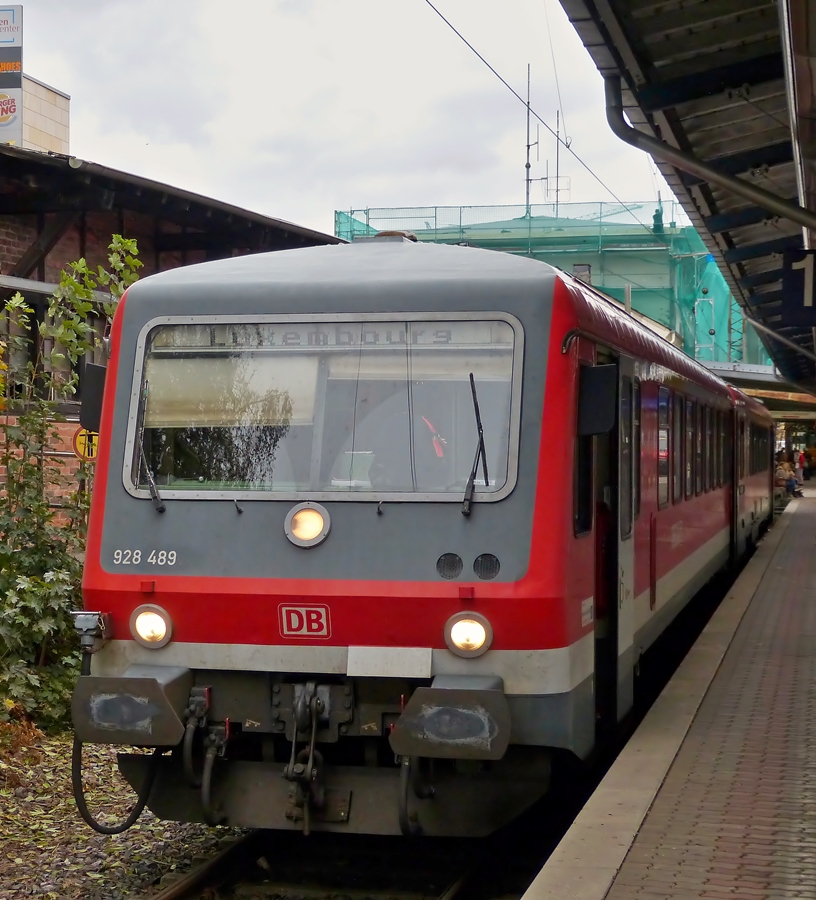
point(151, 626)
point(307, 524)
point(468, 634)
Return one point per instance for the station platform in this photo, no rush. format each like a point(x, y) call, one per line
point(714, 796)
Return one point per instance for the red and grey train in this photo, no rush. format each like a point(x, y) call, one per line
point(377, 527)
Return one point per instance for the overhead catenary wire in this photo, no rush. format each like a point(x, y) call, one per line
point(567, 139)
point(521, 99)
point(652, 175)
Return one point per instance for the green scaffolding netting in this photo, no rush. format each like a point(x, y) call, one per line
point(650, 246)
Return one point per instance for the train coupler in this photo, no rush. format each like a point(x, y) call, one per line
point(305, 768)
point(308, 796)
point(198, 707)
point(216, 744)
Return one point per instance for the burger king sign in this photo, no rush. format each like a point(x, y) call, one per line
point(11, 102)
point(8, 109)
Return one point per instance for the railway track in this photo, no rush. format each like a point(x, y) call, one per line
point(263, 865)
point(286, 866)
point(212, 873)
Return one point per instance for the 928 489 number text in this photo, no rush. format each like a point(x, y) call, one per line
point(134, 557)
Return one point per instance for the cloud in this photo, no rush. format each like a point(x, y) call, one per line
point(298, 107)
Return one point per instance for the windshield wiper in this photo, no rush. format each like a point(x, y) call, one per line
point(480, 454)
point(158, 503)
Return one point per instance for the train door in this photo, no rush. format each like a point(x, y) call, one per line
point(741, 519)
point(626, 544)
point(614, 553)
point(606, 581)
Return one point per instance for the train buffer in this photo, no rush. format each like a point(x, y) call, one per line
point(714, 795)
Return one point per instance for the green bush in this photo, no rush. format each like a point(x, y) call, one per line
point(41, 545)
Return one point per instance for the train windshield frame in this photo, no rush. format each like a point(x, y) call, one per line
point(364, 407)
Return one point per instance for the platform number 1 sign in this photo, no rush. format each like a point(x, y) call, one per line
point(798, 277)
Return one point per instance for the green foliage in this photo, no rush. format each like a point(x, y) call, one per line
point(40, 551)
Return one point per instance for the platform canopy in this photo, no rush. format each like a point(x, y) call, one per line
point(728, 82)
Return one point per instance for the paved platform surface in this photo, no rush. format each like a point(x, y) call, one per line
point(715, 795)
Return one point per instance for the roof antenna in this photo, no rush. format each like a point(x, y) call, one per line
point(527, 178)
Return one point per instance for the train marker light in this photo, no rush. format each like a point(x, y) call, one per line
point(468, 634)
point(307, 524)
point(151, 626)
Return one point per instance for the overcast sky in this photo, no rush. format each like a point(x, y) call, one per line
point(295, 108)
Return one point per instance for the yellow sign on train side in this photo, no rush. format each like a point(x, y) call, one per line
point(85, 444)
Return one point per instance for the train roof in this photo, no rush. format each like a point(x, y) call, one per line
point(362, 262)
point(750, 404)
point(609, 323)
point(396, 260)
point(613, 326)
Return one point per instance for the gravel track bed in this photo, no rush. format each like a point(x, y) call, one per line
point(47, 851)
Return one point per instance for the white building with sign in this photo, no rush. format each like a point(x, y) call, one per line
point(33, 115)
point(46, 117)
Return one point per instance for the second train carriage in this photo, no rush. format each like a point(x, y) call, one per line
point(377, 527)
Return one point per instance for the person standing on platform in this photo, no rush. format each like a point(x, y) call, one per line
point(800, 466)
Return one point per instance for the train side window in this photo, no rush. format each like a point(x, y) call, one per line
point(637, 449)
point(689, 454)
point(754, 449)
point(677, 449)
point(723, 419)
point(750, 444)
point(747, 448)
point(706, 467)
point(742, 448)
point(759, 443)
point(663, 399)
point(582, 483)
point(698, 449)
point(709, 449)
point(625, 485)
point(717, 448)
point(728, 458)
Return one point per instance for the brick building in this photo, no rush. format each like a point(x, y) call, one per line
point(55, 208)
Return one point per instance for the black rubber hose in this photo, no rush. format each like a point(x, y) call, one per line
point(187, 754)
point(408, 827)
point(211, 816)
point(79, 792)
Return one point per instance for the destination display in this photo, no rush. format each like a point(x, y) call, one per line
point(311, 335)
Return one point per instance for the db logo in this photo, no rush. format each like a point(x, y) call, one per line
point(305, 621)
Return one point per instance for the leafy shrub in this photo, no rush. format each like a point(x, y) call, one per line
point(18, 745)
point(40, 568)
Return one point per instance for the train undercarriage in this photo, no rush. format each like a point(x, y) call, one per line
point(366, 755)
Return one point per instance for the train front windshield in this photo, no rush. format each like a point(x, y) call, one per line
point(339, 408)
